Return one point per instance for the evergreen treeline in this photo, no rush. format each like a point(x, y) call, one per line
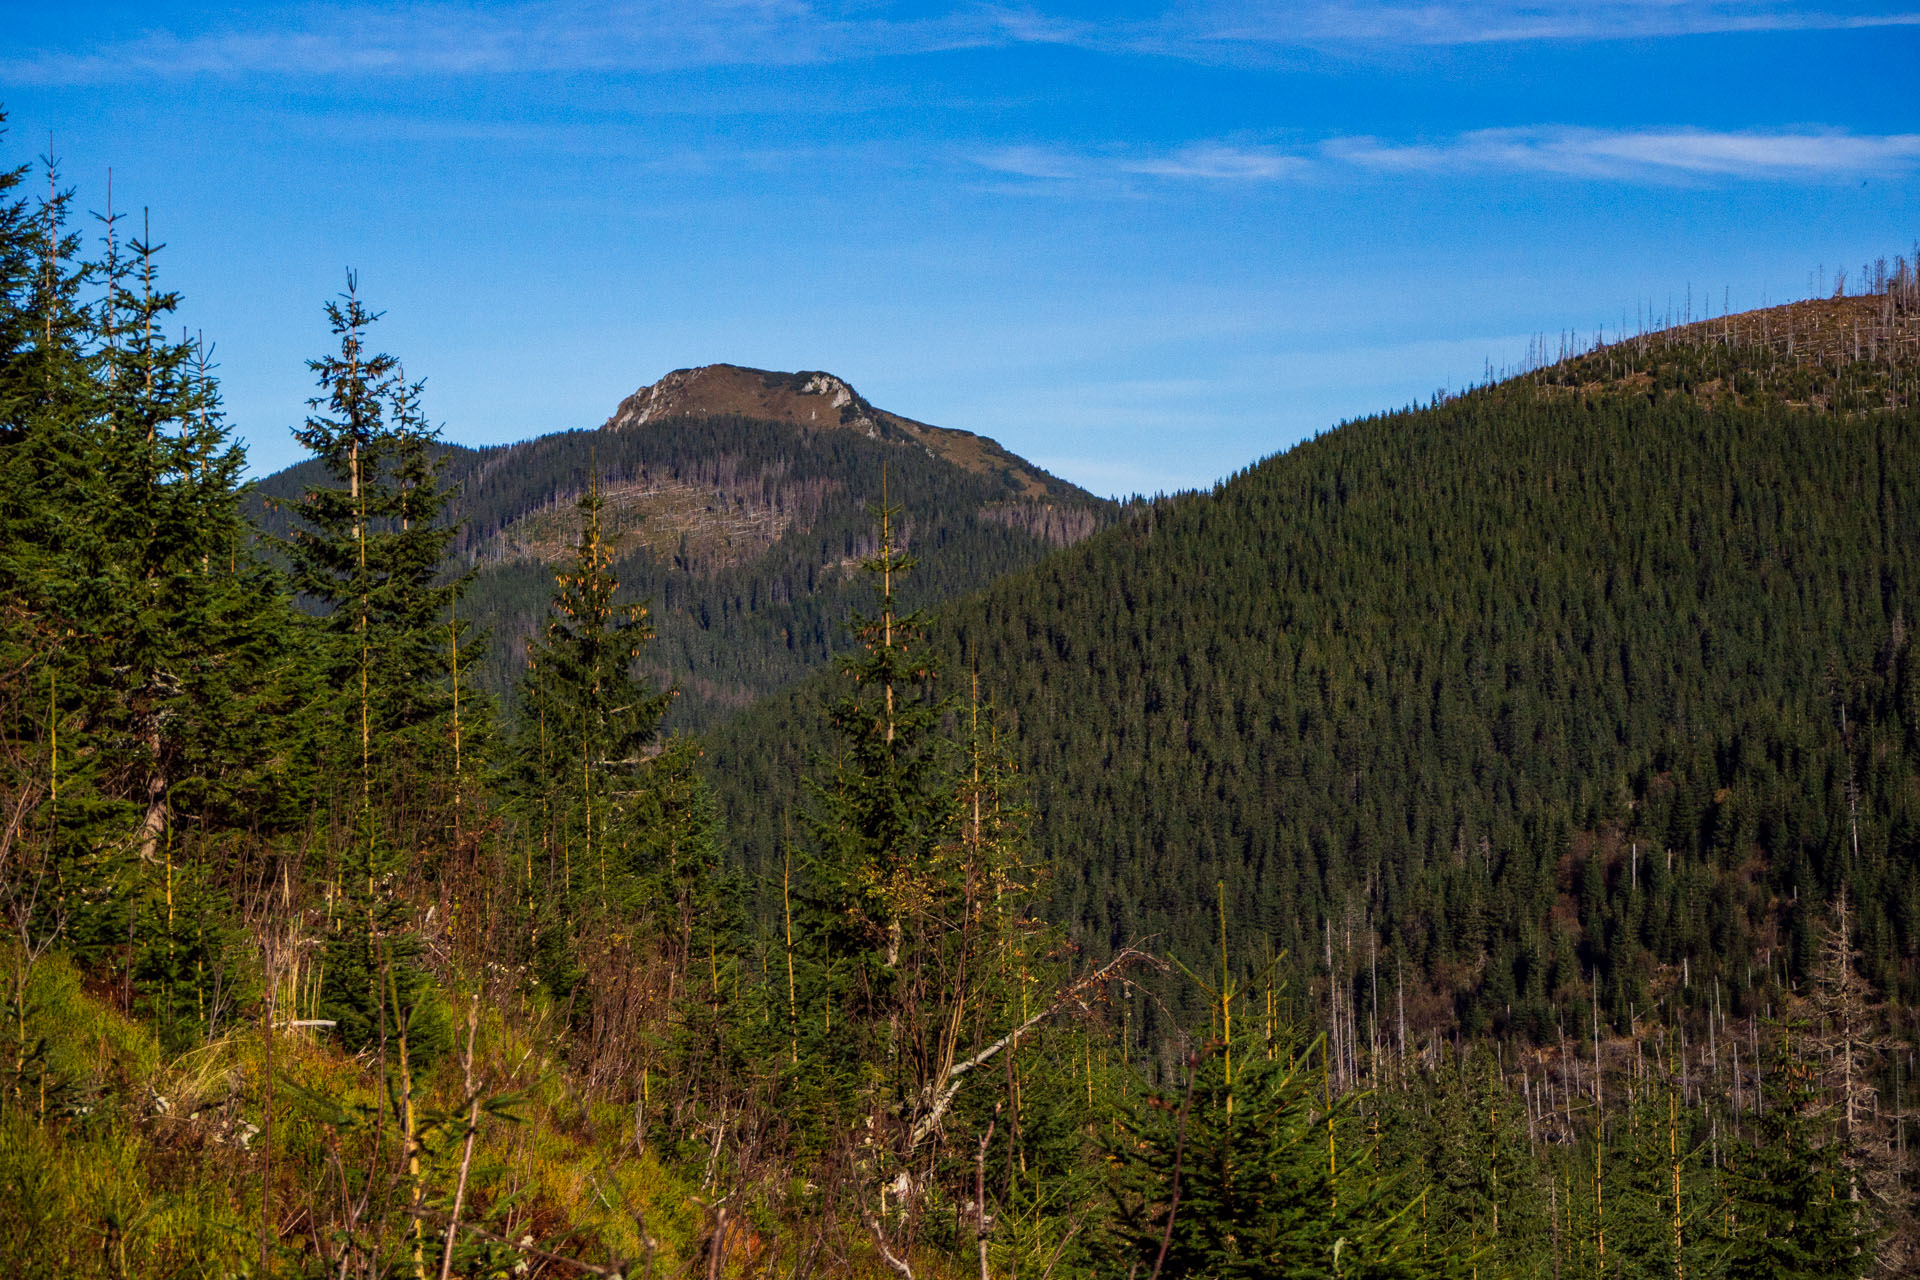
point(317, 967)
point(733, 622)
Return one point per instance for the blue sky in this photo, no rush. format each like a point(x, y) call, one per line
point(1141, 244)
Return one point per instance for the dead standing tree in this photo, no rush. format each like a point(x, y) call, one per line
point(1849, 1040)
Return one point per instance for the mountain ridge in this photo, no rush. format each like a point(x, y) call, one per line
point(736, 502)
point(817, 399)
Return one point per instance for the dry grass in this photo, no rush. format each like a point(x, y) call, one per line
point(140, 1165)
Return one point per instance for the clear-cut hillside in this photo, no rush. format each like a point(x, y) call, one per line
point(1848, 353)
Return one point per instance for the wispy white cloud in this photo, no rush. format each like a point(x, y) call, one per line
point(1617, 155)
point(1042, 164)
point(1259, 31)
point(1117, 171)
point(1220, 162)
point(454, 39)
point(451, 38)
point(1628, 155)
point(1225, 28)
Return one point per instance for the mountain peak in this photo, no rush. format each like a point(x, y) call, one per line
point(810, 397)
point(815, 399)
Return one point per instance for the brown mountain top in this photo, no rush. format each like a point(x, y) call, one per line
point(817, 400)
point(1881, 326)
point(1848, 353)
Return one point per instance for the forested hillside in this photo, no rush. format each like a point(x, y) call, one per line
point(740, 532)
point(1596, 684)
point(1540, 713)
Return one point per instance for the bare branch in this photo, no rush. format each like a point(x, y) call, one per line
point(892, 1259)
point(939, 1094)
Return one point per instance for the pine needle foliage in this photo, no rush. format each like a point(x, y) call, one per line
point(878, 816)
point(1255, 1169)
point(151, 645)
point(581, 767)
point(1793, 1218)
point(369, 556)
point(369, 553)
point(884, 806)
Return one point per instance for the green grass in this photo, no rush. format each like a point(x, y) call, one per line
point(117, 1160)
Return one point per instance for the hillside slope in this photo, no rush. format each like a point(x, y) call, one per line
point(737, 502)
point(1602, 673)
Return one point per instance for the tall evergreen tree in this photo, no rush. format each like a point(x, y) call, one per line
point(20, 242)
point(155, 642)
point(880, 816)
point(1463, 1133)
point(1791, 1216)
point(370, 555)
point(917, 975)
point(588, 729)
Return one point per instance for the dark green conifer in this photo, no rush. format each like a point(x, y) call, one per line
point(879, 817)
point(155, 645)
point(588, 732)
point(370, 555)
point(1256, 1170)
point(1790, 1216)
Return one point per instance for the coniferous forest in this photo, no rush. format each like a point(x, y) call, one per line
point(1483, 841)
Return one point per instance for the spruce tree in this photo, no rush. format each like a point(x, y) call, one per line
point(18, 289)
point(52, 556)
point(1255, 1169)
point(1790, 1215)
point(877, 822)
point(217, 714)
point(588, 729)
point(920, 980)
point(154, 644)
point(370, 556)
point(1464, 1133)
